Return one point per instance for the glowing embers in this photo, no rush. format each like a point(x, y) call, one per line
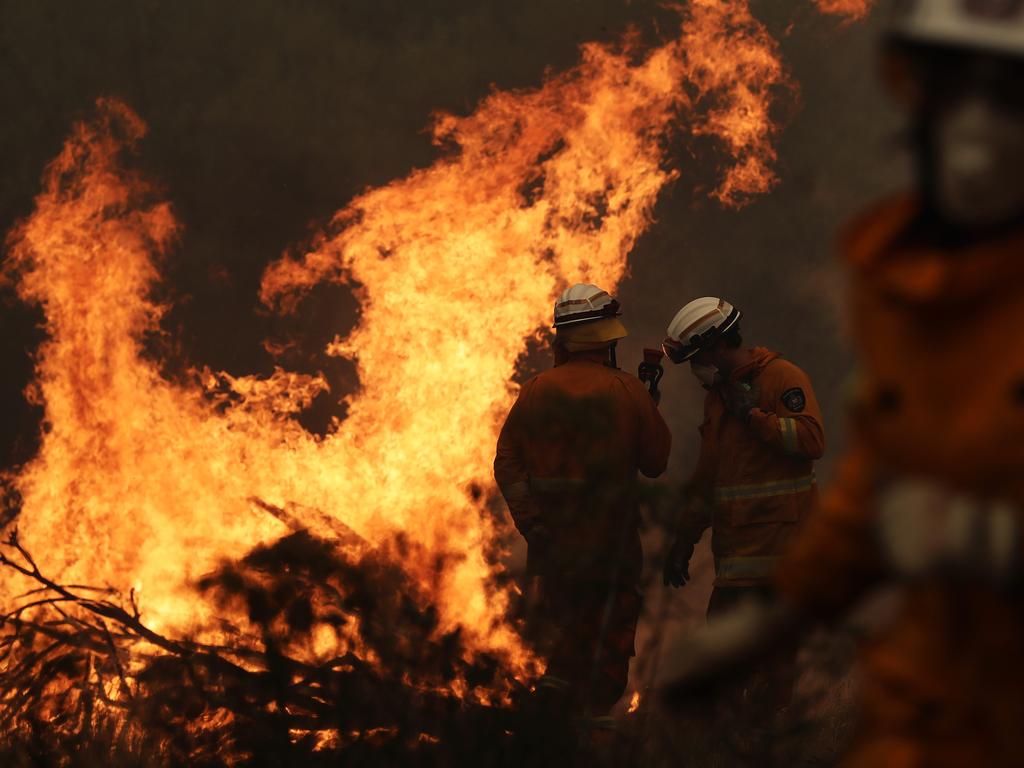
point(634, 703)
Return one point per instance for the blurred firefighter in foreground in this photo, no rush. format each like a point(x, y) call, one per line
point(567, 463)
point(929, 494)
point(754, 481)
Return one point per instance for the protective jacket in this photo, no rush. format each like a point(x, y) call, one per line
point(940, 398)
point(754, 482)
point(567, 462)
point(568, 457)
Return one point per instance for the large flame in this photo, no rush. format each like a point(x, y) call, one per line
point(146, 484)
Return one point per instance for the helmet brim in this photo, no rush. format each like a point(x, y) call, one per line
point(606, 329)
point(579, 318)
point(676, 353)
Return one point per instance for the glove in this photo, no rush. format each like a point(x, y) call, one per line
point(650, 374)
point(677, 564)
point(740, 399)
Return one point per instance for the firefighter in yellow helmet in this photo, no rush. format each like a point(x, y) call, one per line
point(929, 494)
point(567, 463)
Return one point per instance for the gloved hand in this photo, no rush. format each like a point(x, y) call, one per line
point(741, 398)
point(650, 374)
point(677, 564)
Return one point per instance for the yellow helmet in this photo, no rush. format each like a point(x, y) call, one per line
point(586, 317)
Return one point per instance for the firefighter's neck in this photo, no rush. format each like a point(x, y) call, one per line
point(602, 356)
point(729, 360)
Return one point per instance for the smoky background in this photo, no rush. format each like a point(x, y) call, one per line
point(265, 118)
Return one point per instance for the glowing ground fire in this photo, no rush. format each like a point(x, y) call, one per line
point(145, 484)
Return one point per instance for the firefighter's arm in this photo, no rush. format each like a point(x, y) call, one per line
point(694, 520)
point(793, 422)
point(695, 515)
point(654, 435)
point(510, 469)
point(697, 508)
point(699, 490)
point(833, 562)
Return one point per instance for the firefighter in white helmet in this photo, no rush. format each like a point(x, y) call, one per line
point(567, 463)
point(930, 491)
point(754, 482)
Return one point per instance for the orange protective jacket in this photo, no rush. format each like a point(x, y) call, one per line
point(940, 397)
point(568, 457)
point(754, 483)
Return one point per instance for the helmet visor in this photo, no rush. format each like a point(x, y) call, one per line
point(676, 352)
point(601, 331)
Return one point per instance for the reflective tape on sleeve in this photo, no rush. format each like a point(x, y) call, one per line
point(767, 490)
point(790, 443)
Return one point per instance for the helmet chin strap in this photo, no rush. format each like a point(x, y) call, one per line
point(612, 360)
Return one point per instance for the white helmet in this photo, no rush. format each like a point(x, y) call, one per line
point(584, 303)
point(995, 26)
point(698, 325)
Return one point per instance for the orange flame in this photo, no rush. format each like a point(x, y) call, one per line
point(851, 9)
point(634, 703)
point(143, 483)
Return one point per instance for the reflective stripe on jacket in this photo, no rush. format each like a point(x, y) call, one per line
point(757, 479)
point(770, 490)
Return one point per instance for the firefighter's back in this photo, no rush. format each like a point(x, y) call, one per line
point(582, 422)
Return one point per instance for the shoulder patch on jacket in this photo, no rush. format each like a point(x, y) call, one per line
point(794, 399)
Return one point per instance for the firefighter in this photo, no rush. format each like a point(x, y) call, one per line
point(753, 485)
point(929, 493)
point(754, 482)
point(567, 463)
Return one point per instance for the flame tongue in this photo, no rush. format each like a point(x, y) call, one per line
point(851, 9)
point(142, 482)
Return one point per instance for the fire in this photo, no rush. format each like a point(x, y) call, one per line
point(634, 702)
point(146, 484)
point(851, 9)
point(739, 71)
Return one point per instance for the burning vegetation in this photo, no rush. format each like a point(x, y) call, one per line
point(191, 577)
